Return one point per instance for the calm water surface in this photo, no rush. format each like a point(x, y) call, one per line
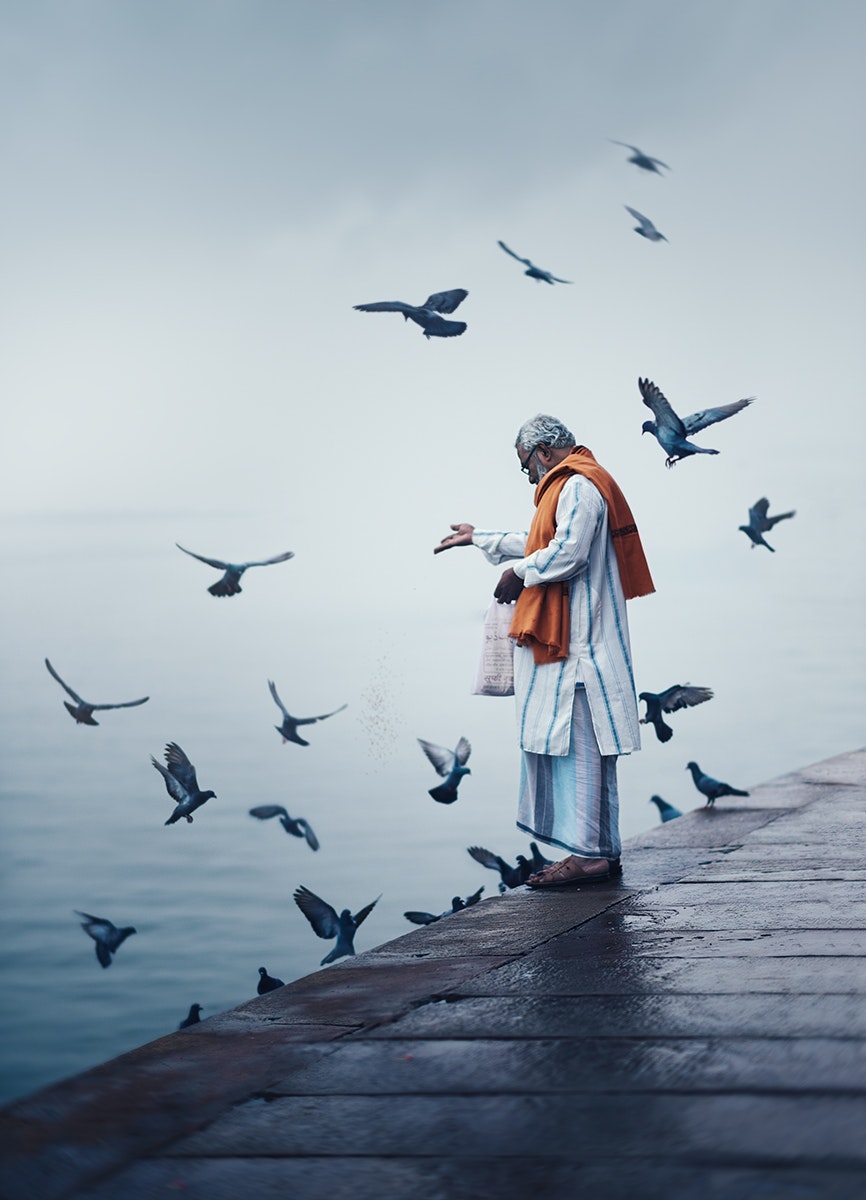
point(122, 614)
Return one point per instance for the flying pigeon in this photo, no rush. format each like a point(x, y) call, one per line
point(181, 783)
point(427, 314)
point(230, 584)
point(327, 924)
point(107, 937)
point(450, 764)
point(457, 905)
point(192, 1017)
point(296, 826)
point(511, 877)
point(758, 524)
point(645, 228)
point(81, 711)
point(289, 728)
point(532, 270)
point(645, 161)
point(667, 812)
point(710, 787)
point(538, 862)
point(267, 983)
point(671, 431)
point(680, 695)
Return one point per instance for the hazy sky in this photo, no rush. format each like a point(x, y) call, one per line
point(197, 193)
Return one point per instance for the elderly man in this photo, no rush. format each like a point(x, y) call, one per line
point(576, 705)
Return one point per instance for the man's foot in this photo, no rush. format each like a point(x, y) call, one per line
point(572, 871)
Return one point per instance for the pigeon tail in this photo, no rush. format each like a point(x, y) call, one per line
point(445, 793)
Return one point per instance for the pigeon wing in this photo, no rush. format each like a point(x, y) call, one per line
point(771, 521)
point(266, 562)
point(709, 416)
point(125, 704)
point(91, 922)
point(683, 695)
point(443, 760)
point(323, 717)
point(264, 812)
point(420, 918)
point(386, 306)
point(556, 279)
point(486, 857)
point(657, 402)
point(645, 222)
point(445, 302)
point(462, 751)
point(272, 687)
point(312, 840)
point(318, 912)
point(211, 562)
point(174, 787)
point(627, 145)
point(525, 261)
point(364, 912)
point(181, 768)
point(66, 686)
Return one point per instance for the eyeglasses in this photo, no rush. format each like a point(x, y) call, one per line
point(524, 462)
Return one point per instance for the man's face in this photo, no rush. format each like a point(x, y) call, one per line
point(529, 464)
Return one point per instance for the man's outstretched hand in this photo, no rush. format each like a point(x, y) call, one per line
point(509, 587)
point(462, 536)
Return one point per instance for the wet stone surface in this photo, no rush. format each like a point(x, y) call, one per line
point(638, 1016)
point(588, 1064)
point(580, 975)
point(437, 1178)
point(741, 1128)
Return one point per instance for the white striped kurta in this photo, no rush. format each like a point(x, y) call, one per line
point(599, 652)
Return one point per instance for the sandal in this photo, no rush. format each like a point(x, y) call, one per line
point(571, 872)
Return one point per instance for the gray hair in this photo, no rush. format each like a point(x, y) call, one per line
point(543, 429)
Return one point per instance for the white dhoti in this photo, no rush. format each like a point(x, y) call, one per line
point(571, 801)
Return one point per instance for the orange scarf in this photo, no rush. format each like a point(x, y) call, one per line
point(541, 614)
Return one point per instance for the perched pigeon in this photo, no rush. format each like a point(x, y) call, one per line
point(671, 431)
point(667, 812)
point(645, 228)
point(327, 924)
point(680, 695)
point(289, 728)
point(81, 710)
point(710, 787)
point(192, 1017)
point(267, 983)
point(534, 272)
point(427, 314)
point(230, 584)
point(457, 905)
point(758, 524)
point(450, 764)
point(645, 161)
point(511, 877)
point(181, 783)
point(106, 936)
point(296, 826)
